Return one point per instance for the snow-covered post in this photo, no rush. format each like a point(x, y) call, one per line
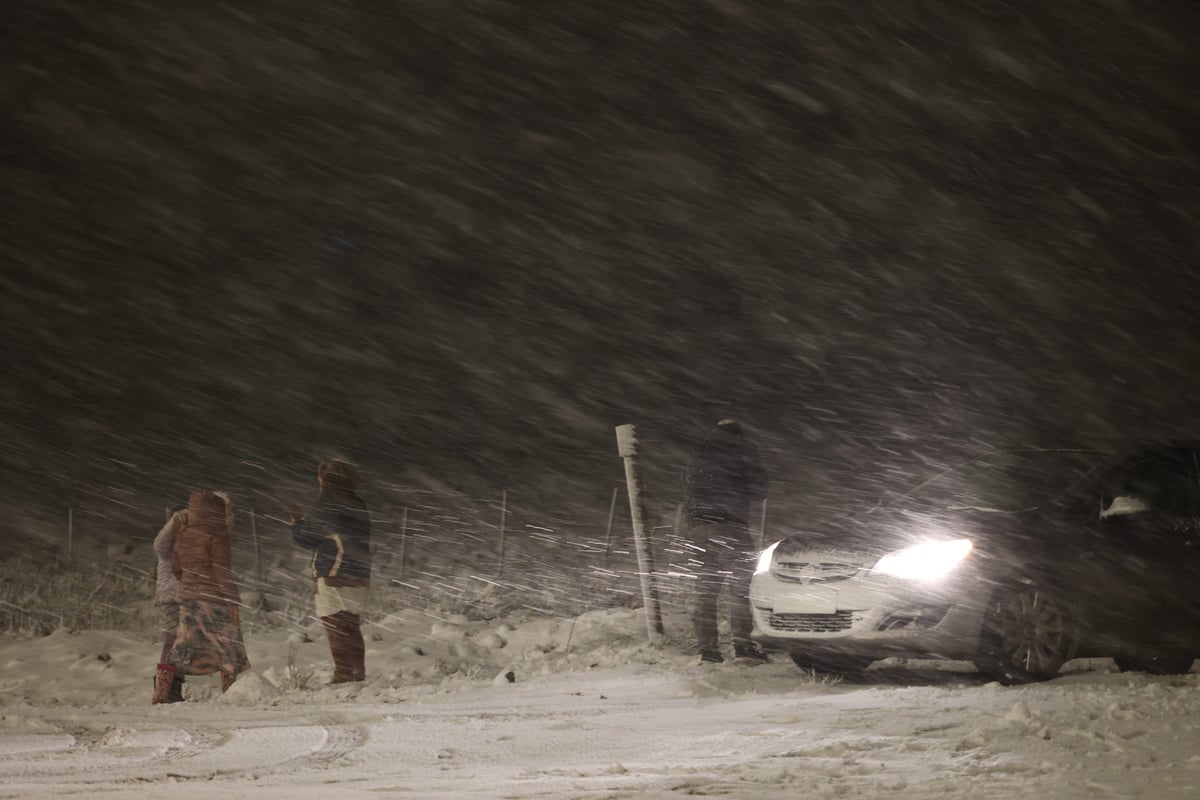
point(503, 516)
point(70, 529)
point(403, 539)
point(627, 447)
point(258, 576)
point(762, 526)
point(612, 511)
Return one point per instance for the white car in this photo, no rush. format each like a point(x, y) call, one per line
point(1008, 562)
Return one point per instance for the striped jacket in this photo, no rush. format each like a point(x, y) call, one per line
point(166, 585)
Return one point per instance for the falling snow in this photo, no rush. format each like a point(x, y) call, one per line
point(460, 242)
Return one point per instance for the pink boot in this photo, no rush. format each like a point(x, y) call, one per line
point(164, 679)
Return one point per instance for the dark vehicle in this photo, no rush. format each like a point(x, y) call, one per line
point(1017, 561)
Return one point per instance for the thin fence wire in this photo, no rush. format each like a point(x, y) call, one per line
point(430, 550)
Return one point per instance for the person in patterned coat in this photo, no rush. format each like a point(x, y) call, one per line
point(209, 637)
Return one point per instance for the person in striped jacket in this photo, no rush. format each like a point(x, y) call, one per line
point(166, 596)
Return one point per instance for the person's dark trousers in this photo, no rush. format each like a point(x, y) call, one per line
point(344, 631)
point(726, 557)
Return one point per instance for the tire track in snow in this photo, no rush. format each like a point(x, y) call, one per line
point(340, 743)
point(109, 755)
point(323, 744)
point(92, 755)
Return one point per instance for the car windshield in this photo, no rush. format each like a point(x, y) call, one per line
point(1003, 482)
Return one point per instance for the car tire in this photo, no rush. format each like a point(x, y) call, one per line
point(831, 663)
point(1162, 664)
point(1028, 633)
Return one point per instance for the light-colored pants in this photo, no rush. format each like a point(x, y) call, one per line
point(332, 599)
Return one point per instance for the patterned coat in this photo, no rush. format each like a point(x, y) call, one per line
point(202, 560)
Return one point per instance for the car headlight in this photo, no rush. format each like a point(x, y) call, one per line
point(764, 559)
point(925, 562)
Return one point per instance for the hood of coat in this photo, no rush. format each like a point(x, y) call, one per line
point(206, 511)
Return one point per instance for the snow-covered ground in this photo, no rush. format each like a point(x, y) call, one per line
point(591, 711)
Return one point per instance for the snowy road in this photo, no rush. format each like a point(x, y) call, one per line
point(638, 731)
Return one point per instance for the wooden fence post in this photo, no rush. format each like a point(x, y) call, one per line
point(627, 447)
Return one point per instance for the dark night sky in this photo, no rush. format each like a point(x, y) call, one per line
point(461, 241)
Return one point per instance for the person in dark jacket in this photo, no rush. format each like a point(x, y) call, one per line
point(724, 476)
point(338, 532)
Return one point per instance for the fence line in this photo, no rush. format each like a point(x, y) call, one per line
point(573, 555)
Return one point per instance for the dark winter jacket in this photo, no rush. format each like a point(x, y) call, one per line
point(202, 558)
point(338, 531)
point(724, 476)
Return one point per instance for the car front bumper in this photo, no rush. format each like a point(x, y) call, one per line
point(869, 616)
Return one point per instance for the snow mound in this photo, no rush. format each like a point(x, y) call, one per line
point(249, 688)
point(1019, 713)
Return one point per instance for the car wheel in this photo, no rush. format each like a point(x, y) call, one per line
point(830, 663)
point(1164, 664)
point(1027, 635)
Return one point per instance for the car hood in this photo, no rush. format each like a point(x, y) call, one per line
point(873, 534)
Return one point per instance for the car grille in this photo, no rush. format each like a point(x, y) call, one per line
point(814, 571)
point(812, 623)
